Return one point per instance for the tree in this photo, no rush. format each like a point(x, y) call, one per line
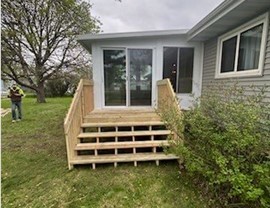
point(58, 87)
point(38, 39)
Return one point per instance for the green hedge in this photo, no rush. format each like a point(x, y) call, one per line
point(226, 145)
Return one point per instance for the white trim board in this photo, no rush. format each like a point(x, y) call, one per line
point(103, 36)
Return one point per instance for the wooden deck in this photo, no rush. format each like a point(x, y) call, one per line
point(122, 115)
point(96, 136)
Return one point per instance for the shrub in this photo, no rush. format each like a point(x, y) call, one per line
point(61, 86)
point(225, 144)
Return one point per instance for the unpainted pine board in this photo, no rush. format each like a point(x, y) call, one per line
point(123, 158)
point(123, 134)
point(121, 119)
point(121, 145)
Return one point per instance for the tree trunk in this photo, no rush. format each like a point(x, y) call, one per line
point(41, 93)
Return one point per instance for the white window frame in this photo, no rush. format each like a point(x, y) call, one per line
point(263, 19)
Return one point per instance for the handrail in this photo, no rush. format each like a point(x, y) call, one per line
point(168, 107)
point(73, 105)
point(166, 95)
point(82, 104)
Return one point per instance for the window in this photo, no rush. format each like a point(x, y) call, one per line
point(178, 67)
point(241, 52)
point(249, 49)
point(228, 55)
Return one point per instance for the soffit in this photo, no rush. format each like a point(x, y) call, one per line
point(233, 15)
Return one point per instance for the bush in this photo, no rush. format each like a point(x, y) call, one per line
point(59, 87)
point(226, 145)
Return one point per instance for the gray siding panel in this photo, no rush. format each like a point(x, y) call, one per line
point(209, 68)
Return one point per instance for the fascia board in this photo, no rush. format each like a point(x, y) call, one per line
point(214, 16)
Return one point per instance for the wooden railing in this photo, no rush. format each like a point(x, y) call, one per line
point(166, 95)
point(82, 104)
point(168, 107)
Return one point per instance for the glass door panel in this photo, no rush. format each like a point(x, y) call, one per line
point(178, 67)
point(170, 64)
point(185, 72)
point(115, 77)
point(140, 77)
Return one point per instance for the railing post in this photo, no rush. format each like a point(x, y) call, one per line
point(166, 95)
point(88, 96)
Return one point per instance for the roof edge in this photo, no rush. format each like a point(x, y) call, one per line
point(101, 36)
point(213, 16)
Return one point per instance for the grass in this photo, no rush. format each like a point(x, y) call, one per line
point(35, 173)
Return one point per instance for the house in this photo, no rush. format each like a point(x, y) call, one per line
point(131, 73)
point(236, 41)
point(4, 88)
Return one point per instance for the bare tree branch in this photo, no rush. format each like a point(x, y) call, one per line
point(38, 39)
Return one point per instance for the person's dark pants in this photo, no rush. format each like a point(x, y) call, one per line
point(18, 105)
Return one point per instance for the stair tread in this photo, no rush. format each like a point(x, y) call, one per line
point(123, 133)
point(112, 124)
point(122, 158)
point(108, 119)
point(121, 113)
point(135, 115)
point(111, 145)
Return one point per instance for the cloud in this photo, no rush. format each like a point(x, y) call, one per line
point(139, 15)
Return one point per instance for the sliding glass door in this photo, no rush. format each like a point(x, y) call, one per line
point(127, 79)
point(140, 77)
point(114, 77)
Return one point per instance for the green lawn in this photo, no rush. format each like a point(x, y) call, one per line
point(35, 173)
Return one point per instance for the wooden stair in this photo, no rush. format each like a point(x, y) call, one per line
point(121, 136)
point(127, 134)
point(122, 158)
point(118, 145)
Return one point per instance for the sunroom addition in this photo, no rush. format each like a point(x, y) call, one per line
point(127, 66)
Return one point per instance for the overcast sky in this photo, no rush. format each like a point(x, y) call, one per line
point(139, 15)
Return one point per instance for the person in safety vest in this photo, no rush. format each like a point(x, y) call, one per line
point(15, 95)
